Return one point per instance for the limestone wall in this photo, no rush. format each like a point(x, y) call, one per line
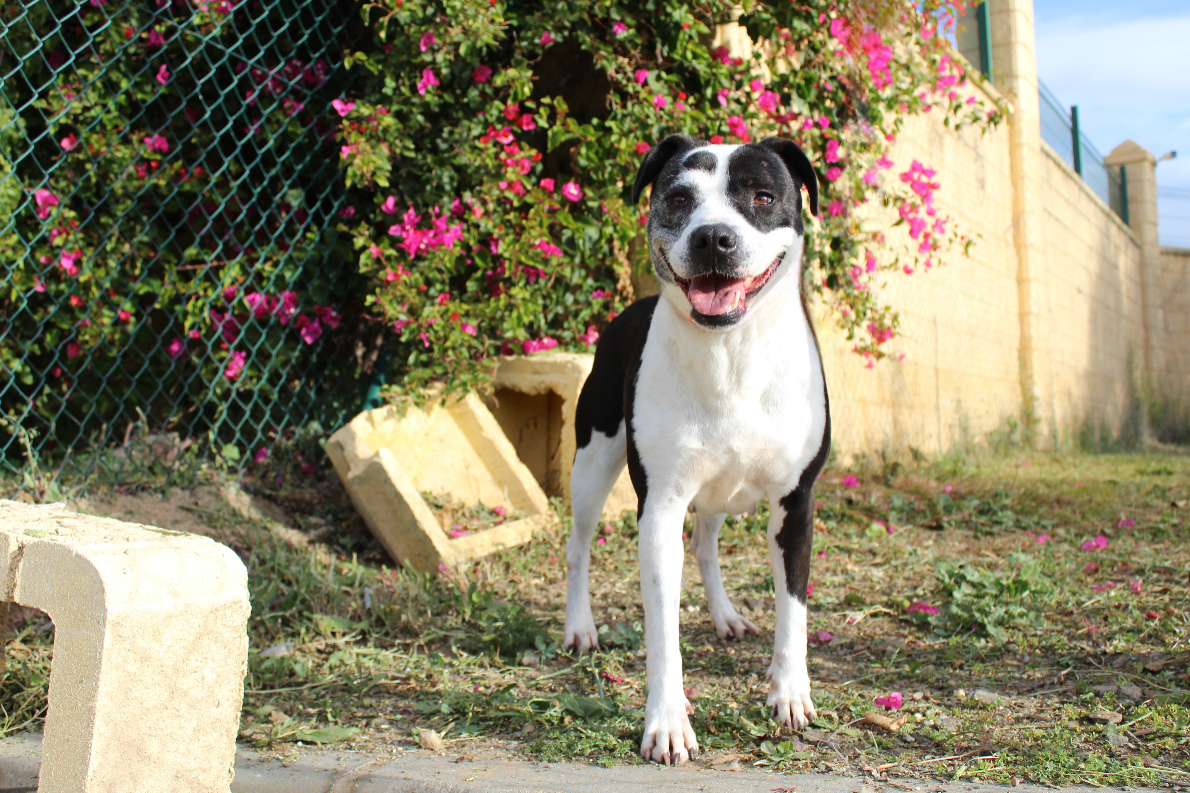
point(959, 328)
point(1090, 331)
point(1173, 299)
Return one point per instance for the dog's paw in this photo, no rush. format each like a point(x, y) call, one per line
point(669, 738)
point(581, 636)
point(730, 625)
point(789, 700)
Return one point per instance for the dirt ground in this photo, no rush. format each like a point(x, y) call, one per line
point(1022, 619)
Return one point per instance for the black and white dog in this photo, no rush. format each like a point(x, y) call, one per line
point(713, 393)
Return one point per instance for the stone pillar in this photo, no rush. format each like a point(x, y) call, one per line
point(1014, 53)
point(1141, 167)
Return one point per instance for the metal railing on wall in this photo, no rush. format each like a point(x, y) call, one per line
point(1173, 210)
point(973, 38)
point(1060, 129)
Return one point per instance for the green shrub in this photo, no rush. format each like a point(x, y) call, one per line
point(492, 147)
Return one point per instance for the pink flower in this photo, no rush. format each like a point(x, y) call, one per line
point(176, 348)
point(261, 455)
point(619, 29)
point(547, 185)
point(286, 306)
point(835, 209)
point(531, 346)
point(427, 41)
point(893, 701)
point(389, 207)
point(69, 262)
point(468, 328)
point(920, 607)
point(767, 101)
point(347, 213)
point(1091, 568)
point(260, 305)
point(659, 102)
point(641, 75)
point(69, 142)
point(851, 480)
point(822, 637)
point(737, 127)
point(427, 81)
point(832, 174)
point(1136, 585)
point(1152, 615)
point(526, 122)
point(163, 75)
point(1126, 523)
point(123, 315)
point(328, 315)
point(157, 143)
point(73, 350)
point(832, 150)
point(548, 249)
point(342, 108)
point(44, 200)
point(481, 74)
point(823, 122)
point(590, 337)
point(235, 365)
point(346, 150)
point(722, 54)
point(1103, 587)
point(1095, 544)
point(572, 192)
point(1042, 539)
point(716, 139)
point(721, 95)
point(156, 39)
point(309, 329)
point(601, 541)
point(547, 38)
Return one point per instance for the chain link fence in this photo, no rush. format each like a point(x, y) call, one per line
point(172, 285)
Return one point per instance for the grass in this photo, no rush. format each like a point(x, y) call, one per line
point(961, 583)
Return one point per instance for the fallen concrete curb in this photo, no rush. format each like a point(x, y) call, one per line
point(325, 771)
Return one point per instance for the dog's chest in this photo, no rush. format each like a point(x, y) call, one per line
point(731, 424)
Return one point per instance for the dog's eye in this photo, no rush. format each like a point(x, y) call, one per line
point(678, 200)
point(762, 199)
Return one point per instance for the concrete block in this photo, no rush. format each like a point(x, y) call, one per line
point(150, 649)
point(386, 461)
point(534, 398)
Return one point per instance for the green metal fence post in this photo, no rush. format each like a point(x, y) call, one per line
point(1077, 136)
point(1124, 194)
point(985, 39)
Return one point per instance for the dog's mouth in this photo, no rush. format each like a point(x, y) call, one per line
point(714, 295)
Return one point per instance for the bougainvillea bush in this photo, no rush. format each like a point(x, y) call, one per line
point(167, 179)
point(491, 148)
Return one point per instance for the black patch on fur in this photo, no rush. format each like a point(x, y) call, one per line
point(796, 537)
point(602, 401)
point(753, 170)
point(658, 157)
point(701, 161)
point(798, 165)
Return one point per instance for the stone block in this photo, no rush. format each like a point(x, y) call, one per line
point(534, 398)
point(150, 649)
point(386, 461)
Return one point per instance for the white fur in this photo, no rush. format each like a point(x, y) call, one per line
point(722, 419)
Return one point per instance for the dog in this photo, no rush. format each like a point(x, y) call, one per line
point(712, 392)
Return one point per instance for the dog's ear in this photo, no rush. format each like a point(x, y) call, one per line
point(798, 165)
point(656, 159)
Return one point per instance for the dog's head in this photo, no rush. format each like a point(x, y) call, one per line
point(724, 221)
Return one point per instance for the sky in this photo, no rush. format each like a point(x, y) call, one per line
point(1127, 67)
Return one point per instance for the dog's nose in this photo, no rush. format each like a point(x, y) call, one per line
point(712, 247)
point(722, 238)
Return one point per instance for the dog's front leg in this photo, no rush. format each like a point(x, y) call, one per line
point(668, 736)
point(791, 533)
point(704, 541)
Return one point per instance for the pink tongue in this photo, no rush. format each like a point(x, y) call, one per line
point(713, 295)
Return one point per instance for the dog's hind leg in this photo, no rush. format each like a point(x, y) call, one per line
point(596, 468)
point(704, 542)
